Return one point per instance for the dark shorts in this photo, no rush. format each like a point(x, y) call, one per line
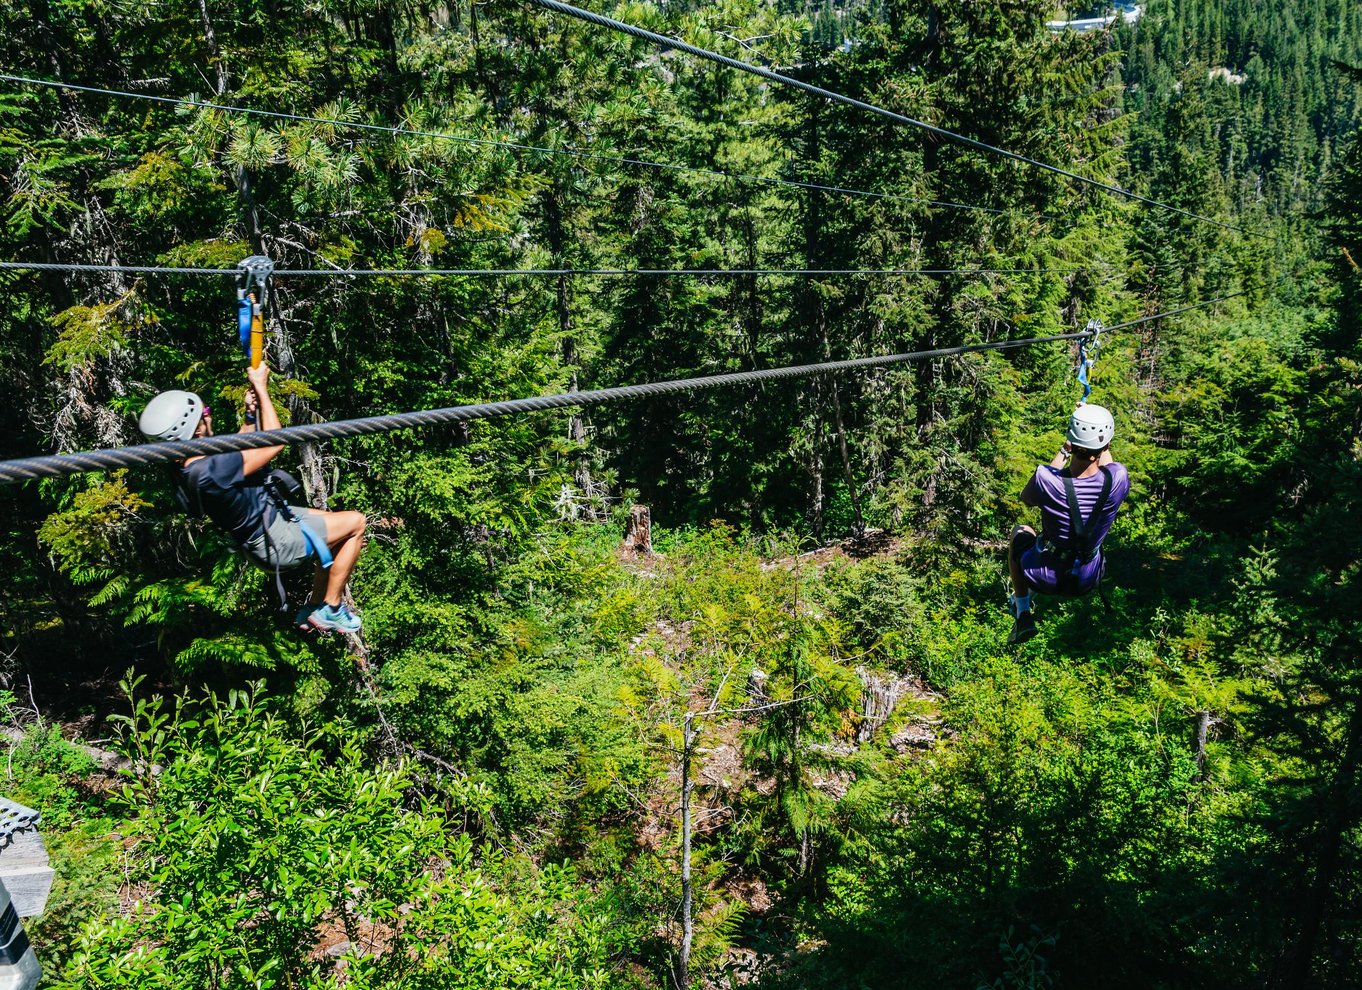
point(287, 546)
point(1044, 571)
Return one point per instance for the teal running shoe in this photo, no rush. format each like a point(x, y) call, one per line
point(334, 618)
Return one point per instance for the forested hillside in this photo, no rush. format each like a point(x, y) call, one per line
point(789, 747)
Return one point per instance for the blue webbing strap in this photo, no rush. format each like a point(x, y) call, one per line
point(243, 323)
point(1087, 359)
point(317, 546)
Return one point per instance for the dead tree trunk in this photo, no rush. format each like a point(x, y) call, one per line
point(638, 532)
point(878, 700)
point(1203, 727)
point(249, 213)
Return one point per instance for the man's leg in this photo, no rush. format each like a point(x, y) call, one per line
point(318, 585)
point(345, 536)
point(1024, 625)
point(1023, 537)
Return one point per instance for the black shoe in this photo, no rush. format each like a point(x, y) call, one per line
point(1022, 629)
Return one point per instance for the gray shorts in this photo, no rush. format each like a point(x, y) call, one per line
point(286, 546)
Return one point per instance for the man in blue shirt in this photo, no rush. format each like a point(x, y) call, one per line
point(230, 489)
point(1079, 493)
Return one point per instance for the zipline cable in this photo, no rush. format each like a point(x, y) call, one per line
point(666, 42)
point(158, 453)
point(511, 145)
point(510, 272)
point(1183, 309)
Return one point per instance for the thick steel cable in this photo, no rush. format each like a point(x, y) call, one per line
point(511, 145)
point(157, 453)
point(666, 42)
point(509, 272)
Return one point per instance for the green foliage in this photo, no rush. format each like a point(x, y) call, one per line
point(251, 846)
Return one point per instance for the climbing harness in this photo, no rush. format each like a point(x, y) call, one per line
point(1081, 549)
point(252, 289)
point(1088, 349)
point(281, 488)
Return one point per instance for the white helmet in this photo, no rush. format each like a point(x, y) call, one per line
point(1091, 427)
point(171, 416)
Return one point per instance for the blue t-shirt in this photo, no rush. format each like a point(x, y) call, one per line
point(231, 499)
point(1054, 505)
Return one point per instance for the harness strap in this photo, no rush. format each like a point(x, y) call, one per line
point(272, 553)
point(1080, 535)
point(1087, 358)
point(316, 547)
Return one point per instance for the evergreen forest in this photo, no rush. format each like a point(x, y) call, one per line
point(785, 743)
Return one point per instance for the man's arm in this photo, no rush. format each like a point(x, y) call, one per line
point(253, 460)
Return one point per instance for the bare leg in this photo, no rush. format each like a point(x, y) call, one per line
point(345, 536)
point(1022, 538)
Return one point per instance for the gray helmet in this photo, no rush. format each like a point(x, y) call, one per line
point(1091, 427)
point(171, 416)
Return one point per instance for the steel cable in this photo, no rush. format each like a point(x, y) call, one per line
point(510, 145)
point(664, 41)
point(156, 453)
point(54, 465)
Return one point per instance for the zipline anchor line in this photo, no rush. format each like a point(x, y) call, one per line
point(509, 145)
point(662, 40)
point(159, 453)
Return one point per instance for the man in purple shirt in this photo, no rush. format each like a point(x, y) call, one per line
point(1078, 504)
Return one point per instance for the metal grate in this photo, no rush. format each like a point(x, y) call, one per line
point(14, 818)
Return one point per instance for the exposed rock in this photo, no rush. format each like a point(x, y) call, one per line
point(723, 769)
point(916, 735)
point(741, 967)
point(835, 784)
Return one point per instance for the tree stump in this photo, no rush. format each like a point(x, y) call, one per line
point(638, 533)
point(879, 697)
